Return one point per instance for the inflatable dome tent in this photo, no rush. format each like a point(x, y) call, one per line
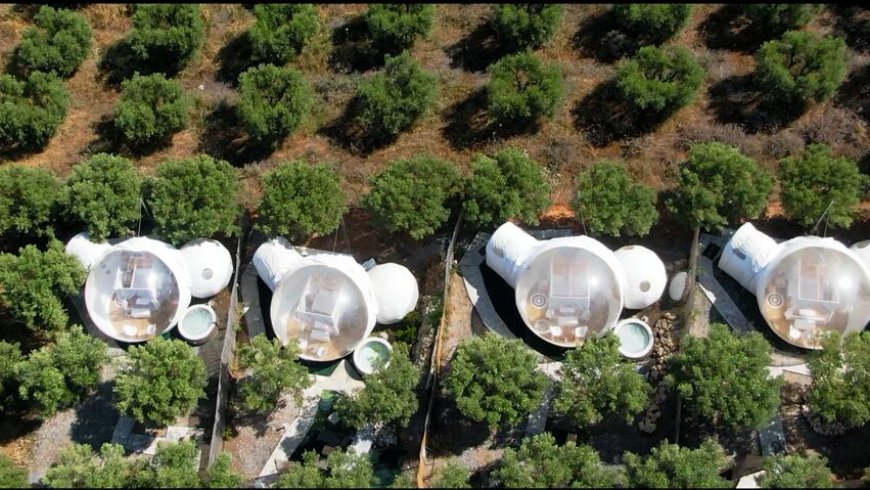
point(805, 287)
point(568, 289)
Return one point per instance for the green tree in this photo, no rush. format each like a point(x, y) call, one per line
point(660, 79)
point(79, 467)
point(222, 475)
point(389, 394)
point(718, 185)
point(653, 23)
point(31, 110)
point(795, 471)
point(104, 193)
point(540, 463)
point(522, 89)
point(282, 30)
point(346, 470)
point(507, 185)
point(801, 67)
point(175, 466)
point(151, 109)
point(58, 42)
point(597, 382)
point(163, 380)
point(275, 370)
point(840, 391)
point(521, 26)
point(193, 198)
point(10, 360)
point(392, 100)
point(611, 202)
point(704, 371)
point(672, 466)
point(302, 475)
point(453, 475)
point(495, 379)
point(395, 26)
point(273, 101)
point(166, 36)
point(58, 375)
point(412, 195)
point(816, 180)
point(28, 201)
point(405, 479)
point(776, 18)
point(300, 199)
point(33, 285)
point(12, 475)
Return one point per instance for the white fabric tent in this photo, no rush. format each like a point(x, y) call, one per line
point(273, 259)
point(506, 250)
point(645, 276)
point(746, 253)
point(395, 290)
point(87, 251)
point(210, 266)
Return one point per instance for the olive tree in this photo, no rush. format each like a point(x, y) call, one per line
point(412, 195)
point(509, 184)
point(521, 26)
point(672, 466)
point(58, 42)
point(522, 89)
point(300, 199)
point(10, 362)
point(653, 23)
point(175, 465)
point(802, 67)
point(104, 194)
point(611, 202)
point(273, 101)
point(151, 109)
point(395, 26)
point(162, 380)
point(282, 30)
point(816, 182)
point(166, 36)
point(28, 201)
point(273, 371)
point(495, 380)
point(659, 79)
point(194, 198)
point(796, 471)
point(454, 474)
point(777, 18)
point(79, 467)
point(222, 475)
point(703, 374)
point(840, 391)
point(31, 110)
point(346, 470)
point(12, 475)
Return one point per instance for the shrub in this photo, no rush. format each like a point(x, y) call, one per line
point(300, 199)
point(104, 193)
point(12, 475)
point(194, 198)
point(522, 88)
point(507, 185)
point(151, 109)
point(28, 200)
point(391, 101)
point(282, 30)
point(10, 360)
point(840, 391)
point(274, 370)
point(346, 470)
point(33, 285)
point(31, 110)
point(57, 43)
point(654, 23)
point(496, 380)
point(660, 79)
point(816, 180)
point(801, 67)
point(395, 26)
point(521, 26)
point(166, 36)
point(454, 474)
point(222, 475)
point(273, 101)
point(672, 466)
point(718, 185)
point(79, 467)
point(163, 380)
point(412, 195)
point(777, 18)
point(795, 471)
point(609, 201)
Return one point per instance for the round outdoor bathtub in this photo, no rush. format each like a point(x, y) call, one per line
point(198, 324)
point(369, 351)
point(635, 338)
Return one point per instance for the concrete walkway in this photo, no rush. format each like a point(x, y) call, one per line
point(250, 291)
point(474, 285)
point(771, 437)
point(719, 297)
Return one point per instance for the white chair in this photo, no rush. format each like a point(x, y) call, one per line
point(555, 332)
point(130, 330)
point(580, 332)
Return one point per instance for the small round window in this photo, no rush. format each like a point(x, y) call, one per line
point(207, 273)
point(644, 286)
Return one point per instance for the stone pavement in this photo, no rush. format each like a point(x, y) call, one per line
point(719, 297)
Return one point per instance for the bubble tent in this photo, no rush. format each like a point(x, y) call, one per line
point(805, 287)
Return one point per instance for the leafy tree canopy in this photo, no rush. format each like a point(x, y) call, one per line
point(104, 193)
point(522, 89)
point(654, 23)
point(660, 79)
point(79, 467)
point(611, 202)
point(275, 370)
point(395, 26)
point(521, 26)
point(31, 110)
point(28, 200)
point(777, 18)
point(453, 475)
point(283, 30)
point(273, 101)
point(840, 391)
point(12, 475)
point(222, 475)
point(672, 466)
point(151, 109)
point(58, 42)
point(796, 471)
point(166, 36)
point(346, 470)
point(801, 67)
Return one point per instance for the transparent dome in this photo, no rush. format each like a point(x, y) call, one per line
point(324, 308)
point(567, 292)
point(814, 286)
point(137, 290)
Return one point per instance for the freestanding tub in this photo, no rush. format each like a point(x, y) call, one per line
point(198, 324)
point(370, 350)
point(635, 338)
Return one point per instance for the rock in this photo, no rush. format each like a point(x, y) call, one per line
point(669, 315)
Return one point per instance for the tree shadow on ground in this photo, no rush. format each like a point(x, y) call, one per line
point(476, 51)
point(727, 28)
point(853, 23)
point(110, 139)
point(737, 100)
point(602, 117)
point(353, 50)
point(470, 125)
point(234, 58)
point(854, 94)
point(349, 134)
point(224, 138)
point(600, 37)
point(95, 418)
point(451, 432)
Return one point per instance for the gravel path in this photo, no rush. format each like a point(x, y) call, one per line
point(257, 439)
